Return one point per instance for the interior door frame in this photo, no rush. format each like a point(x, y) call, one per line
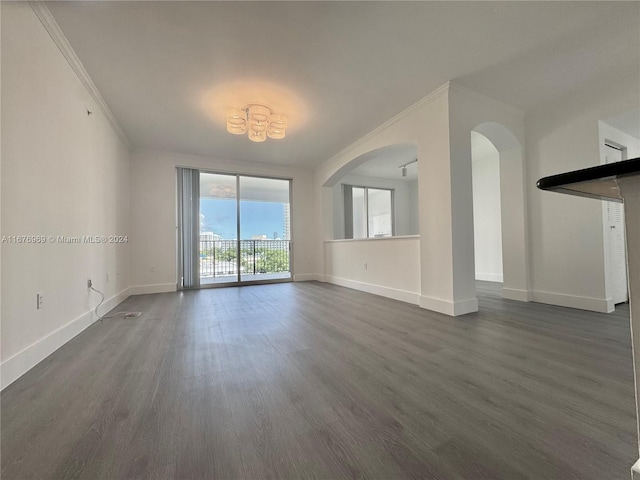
point(609, 263)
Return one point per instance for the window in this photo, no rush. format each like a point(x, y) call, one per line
point(368, 212)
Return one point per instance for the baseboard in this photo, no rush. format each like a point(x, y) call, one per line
point(454, 309)
point(305, 277)
point(611, 306)
point(490, 277)
point(635, 471)
point(402, 295)
point(516, 294)
point(19, 364)
point(158, 288)
point(572, 301)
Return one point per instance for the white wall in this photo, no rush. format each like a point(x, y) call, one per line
point(153, 215)
point(487, 224)
point(405, 201)
point(425, 125)
point(439, 126)
point(567, 251)
point(64, 172)
point(503, 125)
point(387, 266)
point(0, 191)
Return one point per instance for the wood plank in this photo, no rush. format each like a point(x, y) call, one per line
point(311, 380)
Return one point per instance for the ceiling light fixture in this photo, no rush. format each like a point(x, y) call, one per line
point(404, 167)
point(257, 121)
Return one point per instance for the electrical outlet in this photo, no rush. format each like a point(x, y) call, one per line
point(39, 301)
point(89, 283)
point(152, 268)
point(365, 265)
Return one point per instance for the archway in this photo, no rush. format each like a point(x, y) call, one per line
point(487, 221)
point(370, 211)
point(512, 212)
point(393, 169)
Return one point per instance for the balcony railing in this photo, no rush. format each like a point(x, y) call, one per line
point(219, 258)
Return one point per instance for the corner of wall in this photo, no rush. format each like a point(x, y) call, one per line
point(19, 364)
point(601, 305)
point(453, 309)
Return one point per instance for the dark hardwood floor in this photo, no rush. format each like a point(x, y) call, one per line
point(311, 380)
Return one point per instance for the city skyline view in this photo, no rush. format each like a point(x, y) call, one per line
point(218, 216)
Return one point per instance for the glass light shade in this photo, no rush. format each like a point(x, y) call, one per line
point(258, 127)
point(236, 129)
point(278, 121)
point(276, 133)
point(257, 121)
point(236, 116)
point(259, 113)
point(236, 121)
point(257, 136)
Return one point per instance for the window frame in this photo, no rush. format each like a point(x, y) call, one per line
point(348, 210)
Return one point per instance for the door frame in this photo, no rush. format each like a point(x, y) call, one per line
point(608, 266)
point(239, 282)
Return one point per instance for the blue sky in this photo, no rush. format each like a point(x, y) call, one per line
point(256, 218)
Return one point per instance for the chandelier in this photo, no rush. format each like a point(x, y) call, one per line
point(257, 121)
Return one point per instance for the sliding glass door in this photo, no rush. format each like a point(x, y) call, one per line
point(244, 231)
point(264, 229)
point(218, 249)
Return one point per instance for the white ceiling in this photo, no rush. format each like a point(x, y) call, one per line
point(169, 70)
point(386, 163)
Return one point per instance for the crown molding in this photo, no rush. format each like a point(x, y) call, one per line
point(51, 26)
point(433, 96)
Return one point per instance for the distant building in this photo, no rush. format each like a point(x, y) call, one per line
point(286, 227)
point(210, 240)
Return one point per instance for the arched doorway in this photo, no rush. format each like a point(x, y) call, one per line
point(487, 221)
point(500, 225)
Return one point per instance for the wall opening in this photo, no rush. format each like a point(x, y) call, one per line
point(375, 195)
point(487, 210)
point(500, 240)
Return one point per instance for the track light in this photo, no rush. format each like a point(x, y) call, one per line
point(404, 167)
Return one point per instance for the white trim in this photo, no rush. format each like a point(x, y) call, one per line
point(516, 294)
point(402, 295)
point(51, 26)
point(373, 239)
point(454, 309)
point(20, 363)
point(601, 305)
point(158, 288)
point(490, 277)
point(611, 306)
point(433, 96)
point(305, 277)
point(635, 470)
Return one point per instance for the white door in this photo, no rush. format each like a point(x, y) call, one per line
point(615, 226)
